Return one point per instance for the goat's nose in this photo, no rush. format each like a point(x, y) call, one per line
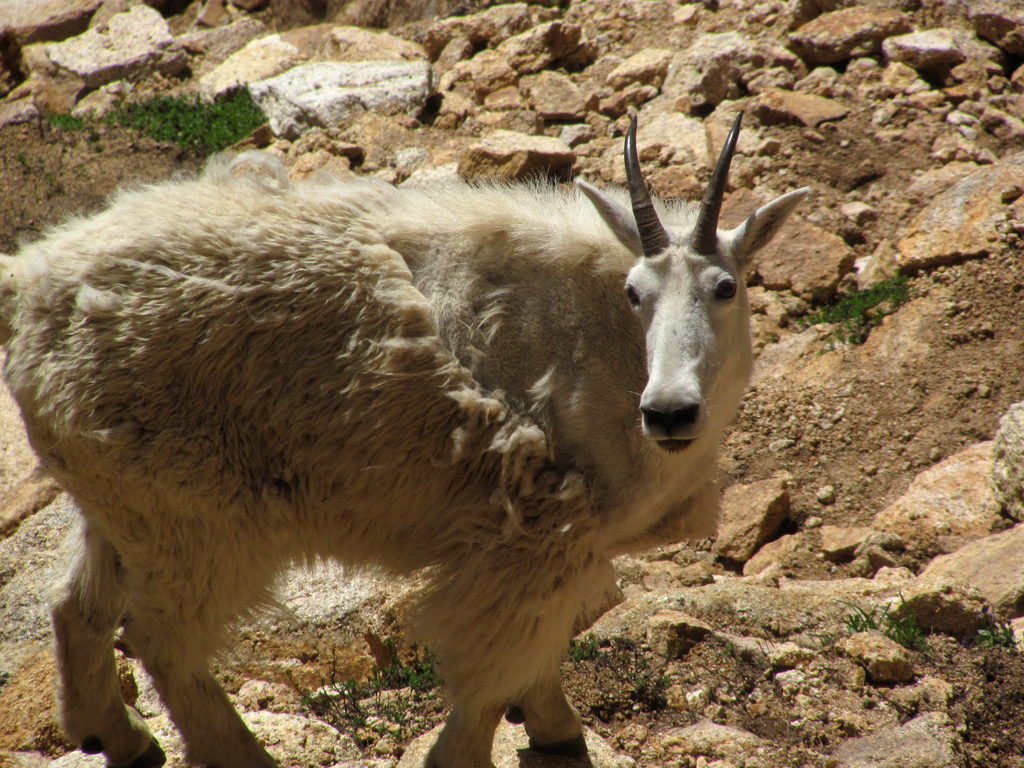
point(678, 419)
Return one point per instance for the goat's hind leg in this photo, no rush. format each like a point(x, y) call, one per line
point(174, 626)
point(85, 617)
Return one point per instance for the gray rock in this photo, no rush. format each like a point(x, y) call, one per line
point(32, 561)
point(847, 33)
point(1001, 22)
point(36, 20)
point(18, 111)
point(1008, 463)
point(717, 67)
point(511, 751)
point(927, 51)
point(212, 46)
point(927, 741)
point(132, 43)
point(326, 94)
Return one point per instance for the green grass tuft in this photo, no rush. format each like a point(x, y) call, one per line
point(206, 127)
point(856, 313)
point(66, 122)
point(903, 630)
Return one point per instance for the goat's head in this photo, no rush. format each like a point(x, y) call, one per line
point(688, 290)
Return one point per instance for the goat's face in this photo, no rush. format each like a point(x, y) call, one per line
point(687, 289)
point(694, 313)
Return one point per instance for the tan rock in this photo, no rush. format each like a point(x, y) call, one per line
point(26, 498)
point(484, 74)
point(512, 155)
point(751, 514)
point(952, 498)
point(941, 604)
point(489, 27)
point(1008, 463)
point(554, 96)
point(776, 106)
point(885, 660)
point(672, 633)
point(994, 565)
point(28, 708)
point(776, 552)
point(839, 542)
point(648, 67)
point(535, 49)
point(847, 33)
point(807, 260)
point(964, 221)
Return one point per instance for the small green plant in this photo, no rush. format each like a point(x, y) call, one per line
point(997, 633)
point(392, 697)
point(901, 629)
point(66, 122)
point(207, 127)
point(584, 649)
point(856, 313)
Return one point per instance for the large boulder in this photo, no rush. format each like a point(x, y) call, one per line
point(327, 93)
point(133, 42)
point(967, 220)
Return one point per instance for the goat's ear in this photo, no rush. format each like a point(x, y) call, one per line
point(762, 225)
point(618, 218)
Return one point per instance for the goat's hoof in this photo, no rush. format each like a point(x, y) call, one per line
point(153, 757)
point(515, 715)
point(91, 745)
point(574, 747)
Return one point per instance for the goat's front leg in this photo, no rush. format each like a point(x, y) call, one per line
point(551, 721)
point(466, 739)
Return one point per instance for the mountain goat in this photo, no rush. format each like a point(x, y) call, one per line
point(500, 386)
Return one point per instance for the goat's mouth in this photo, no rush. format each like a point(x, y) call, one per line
point(673, 446)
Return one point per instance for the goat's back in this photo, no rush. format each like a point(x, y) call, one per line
point(230, 347)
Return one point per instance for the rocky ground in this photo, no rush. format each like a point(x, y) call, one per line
point(862, 604)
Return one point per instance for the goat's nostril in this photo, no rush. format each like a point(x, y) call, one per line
point(678, 418)
point(686, 416)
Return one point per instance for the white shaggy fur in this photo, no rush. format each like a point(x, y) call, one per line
point(232, 374)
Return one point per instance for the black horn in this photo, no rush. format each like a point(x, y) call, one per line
point(653, 237)
point(705, 231)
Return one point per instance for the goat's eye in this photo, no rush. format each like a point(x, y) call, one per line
point(633, 296)
point(725, 289)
